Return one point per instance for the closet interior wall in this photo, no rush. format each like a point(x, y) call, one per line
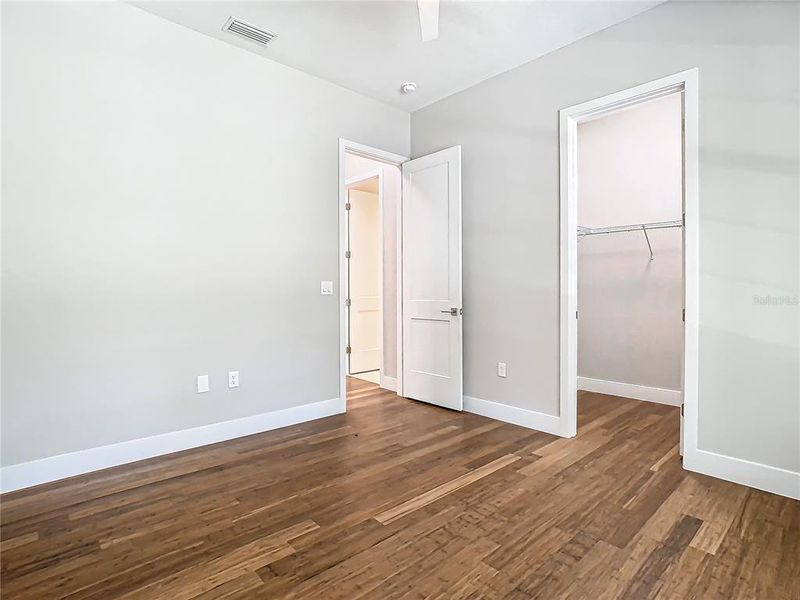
point(630, 172)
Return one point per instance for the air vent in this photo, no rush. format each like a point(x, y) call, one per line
point(245, 30)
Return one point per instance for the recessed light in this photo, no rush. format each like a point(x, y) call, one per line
point(409, 87)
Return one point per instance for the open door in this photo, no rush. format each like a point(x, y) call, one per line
point(431, 312)
point(364, 285)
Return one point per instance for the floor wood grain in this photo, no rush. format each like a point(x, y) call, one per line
point(398, 499)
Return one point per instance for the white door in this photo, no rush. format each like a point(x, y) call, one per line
point(431, 236)
point(364, 263)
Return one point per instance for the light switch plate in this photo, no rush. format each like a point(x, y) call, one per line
point(202, 383)
point(326, 288)
point(233, 379)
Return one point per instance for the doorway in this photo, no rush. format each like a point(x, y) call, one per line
point(643, 231)
point(407, 283)
point(369, 198)
point(365, 277)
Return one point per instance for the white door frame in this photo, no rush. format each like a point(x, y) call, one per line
point(687, 82)
point(347, 146)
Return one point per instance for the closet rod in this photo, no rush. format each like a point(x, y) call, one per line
point(643, 227)
point(622, 228)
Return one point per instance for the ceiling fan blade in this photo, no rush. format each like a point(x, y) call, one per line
point(428, 19)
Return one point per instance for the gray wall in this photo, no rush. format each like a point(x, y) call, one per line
point(749, 232)
point(169, 209)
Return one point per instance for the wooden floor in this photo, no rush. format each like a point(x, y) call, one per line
point(398, 499)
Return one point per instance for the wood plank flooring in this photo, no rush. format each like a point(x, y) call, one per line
point(398, 499)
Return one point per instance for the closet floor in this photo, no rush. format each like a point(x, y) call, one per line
point(399, 499)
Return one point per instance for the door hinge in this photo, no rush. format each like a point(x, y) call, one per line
point(683, 315)
point(681, 409)
point(347, 254)
point(347, 206)
point(683, 219)
point(576, 314)
point(347, 302)
point(347, 350)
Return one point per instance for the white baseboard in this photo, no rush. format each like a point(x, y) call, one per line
point(630, 390)
point(752, 474)
point(388, 383)
point(15, 477)
point(511, 414)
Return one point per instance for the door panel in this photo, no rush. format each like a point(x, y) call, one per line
point(428, 344)
point(427, 242)
point(432, 334)
point(364, 243)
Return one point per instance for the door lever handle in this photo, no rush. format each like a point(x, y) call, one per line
point(454, 311)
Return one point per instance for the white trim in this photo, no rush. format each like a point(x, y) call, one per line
point(687, 82)
point(365, 151)
point(382, 245)
point(398, 388)
point(630, 390)
point(15, 477)
point(388, 383)
point(511, 414)
point(752, 474)
point(568, 138)
point(691, 262)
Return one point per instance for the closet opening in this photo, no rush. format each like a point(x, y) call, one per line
point(629, 263)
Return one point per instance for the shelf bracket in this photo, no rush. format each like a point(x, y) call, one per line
point(647, 239)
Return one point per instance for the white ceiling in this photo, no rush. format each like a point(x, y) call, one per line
point(372, 47)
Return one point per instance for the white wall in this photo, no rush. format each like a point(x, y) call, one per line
point(749, 70)
point(169, 209)
point(629, 171)
point(357, 166)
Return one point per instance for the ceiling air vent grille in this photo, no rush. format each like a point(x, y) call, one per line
point(245, 30)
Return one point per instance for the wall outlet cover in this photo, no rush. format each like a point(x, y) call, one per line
point(202, 383)
point(501, 369)
point(233, 379)
point(326, 288)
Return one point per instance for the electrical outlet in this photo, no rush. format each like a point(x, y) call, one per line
point(202, 383)
point(233, 379)
point(501, 369)
point(326, 288)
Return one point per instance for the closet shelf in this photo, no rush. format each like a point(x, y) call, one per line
point(643, 227)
